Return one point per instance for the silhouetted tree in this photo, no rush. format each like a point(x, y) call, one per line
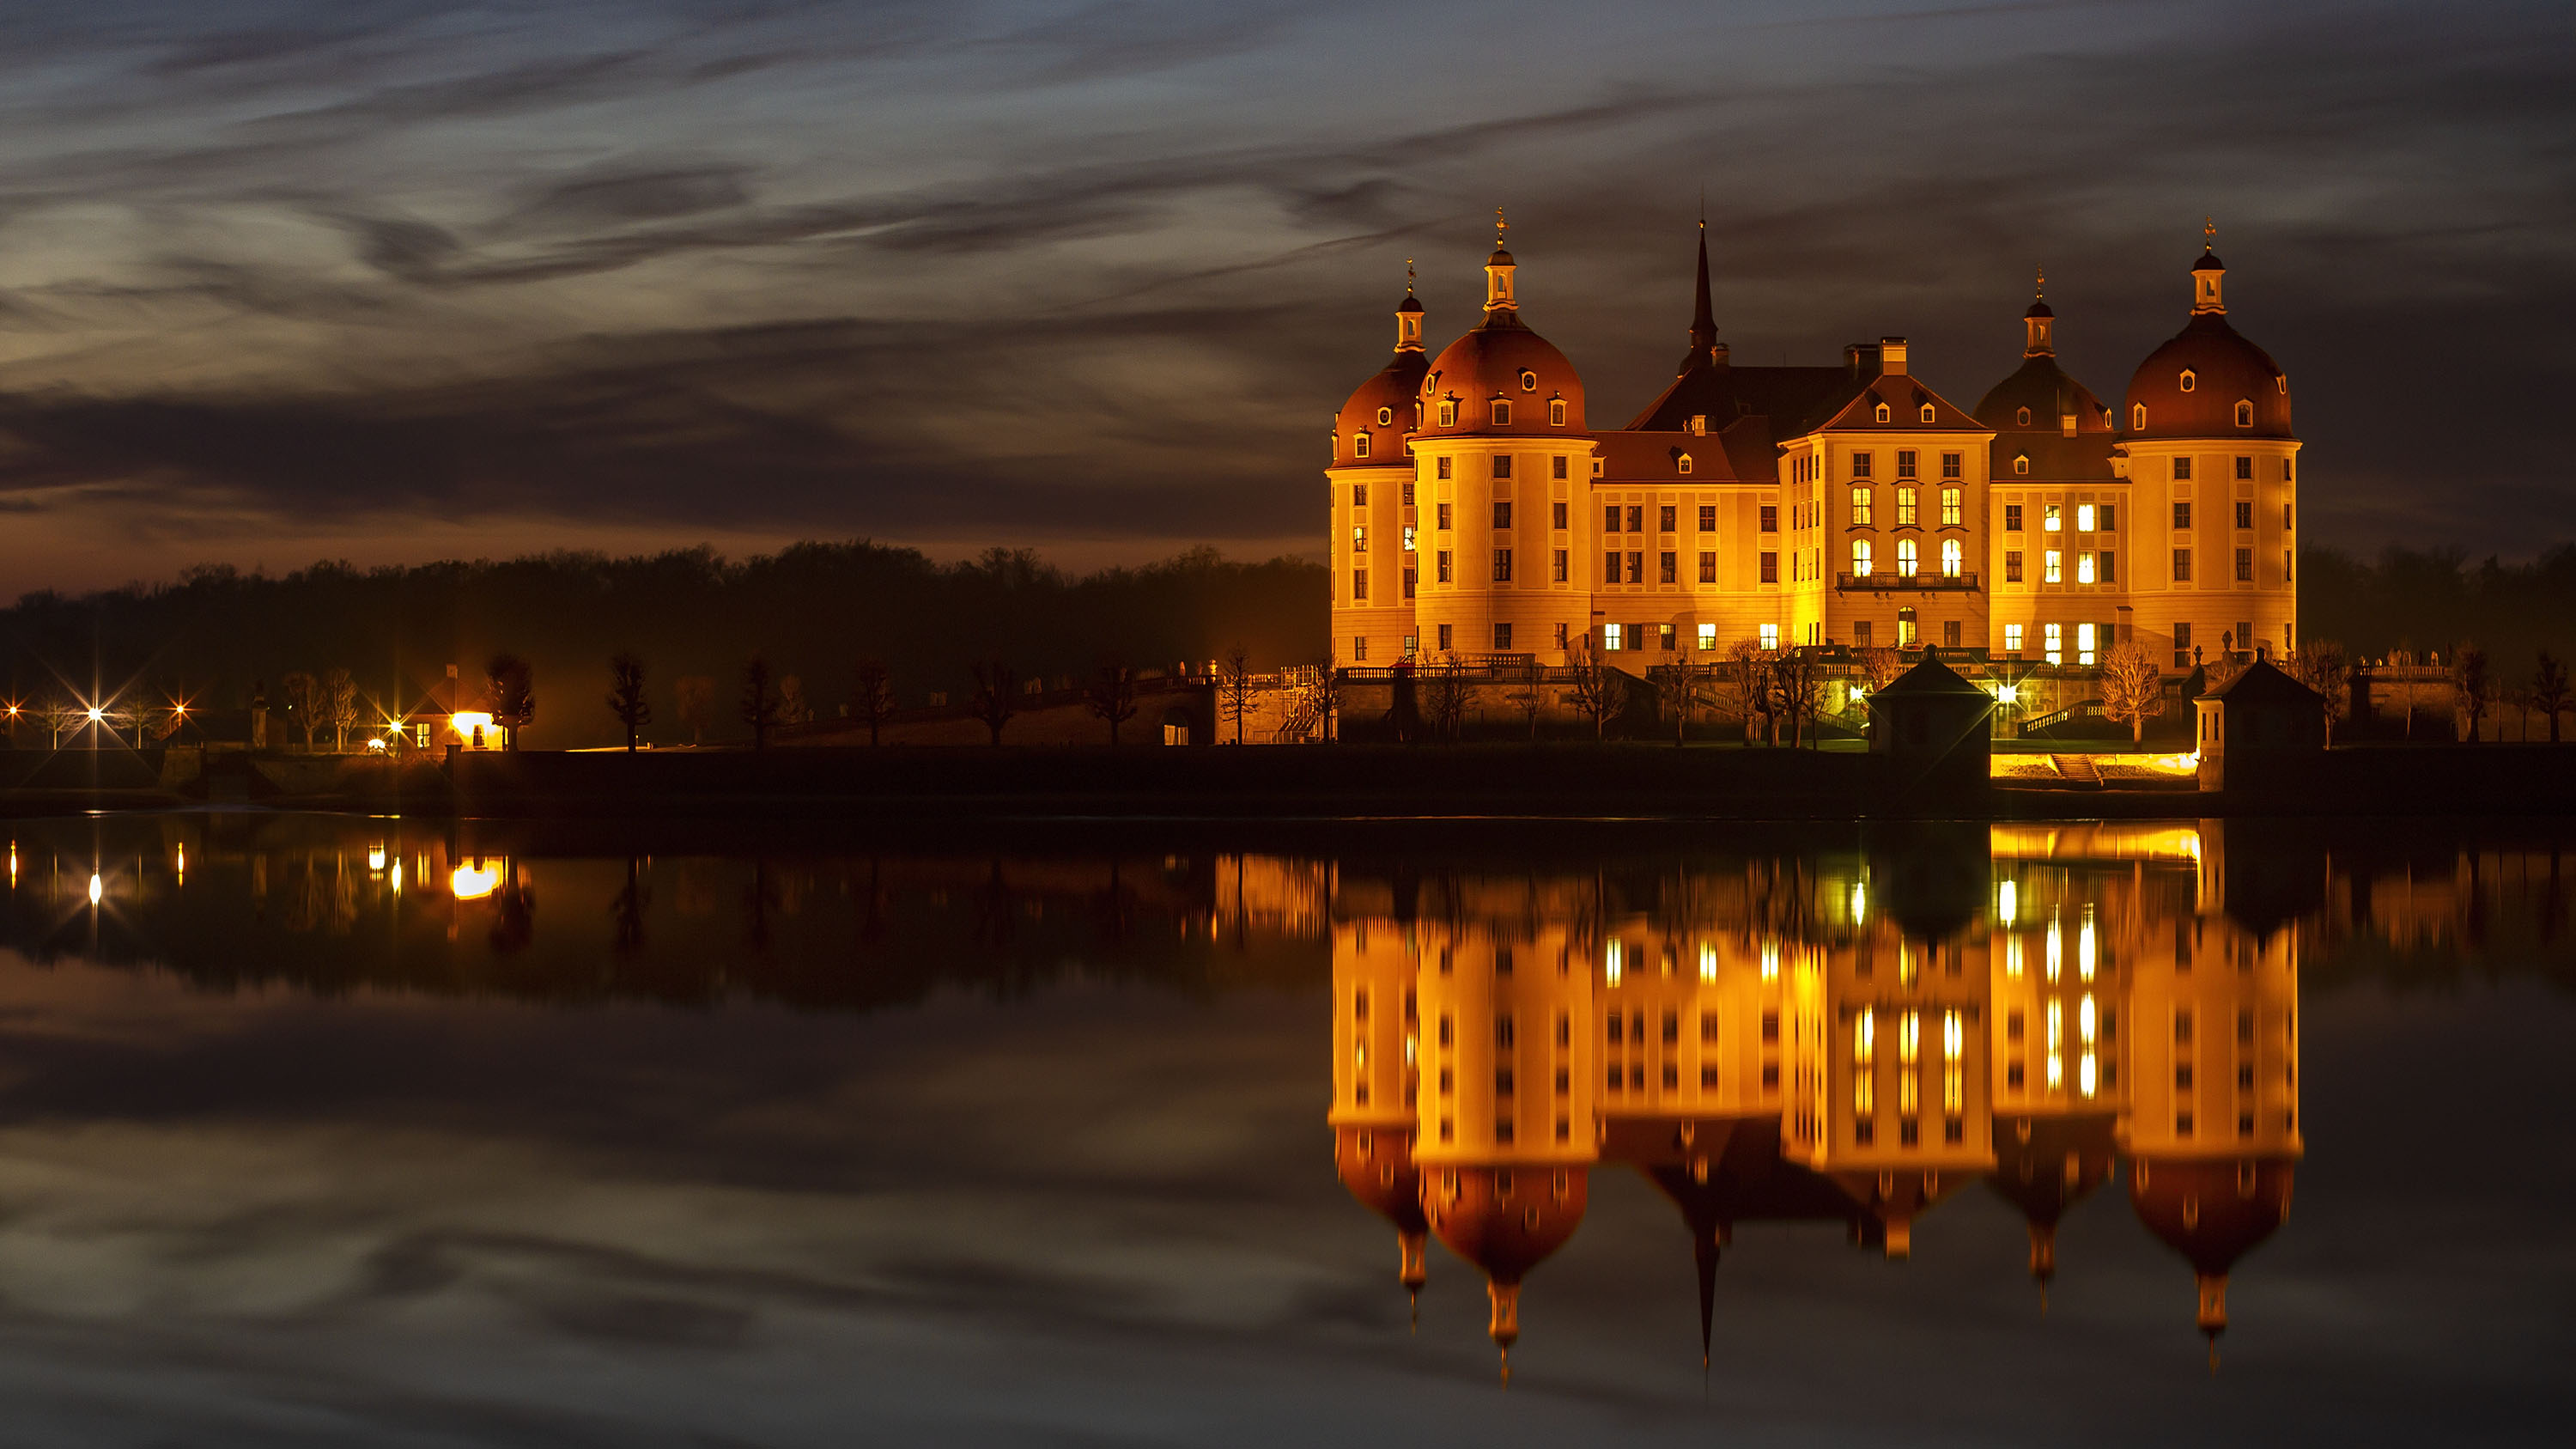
point(995, 700)
point(1744, 680)
point(301, 694)
point(1681, 687)
point(514, 696)
point(339, 704)
point(1530, 691)
point(759, 705)
point(626, 696)
point(1111, 695)
point(2401, 662)
point(1444, 696)
point(2549, 691)
point(872, 696)
point(1799, 686)
point(59, 714)
point(697, 697)
point(2133, 687)
point(1326, 696)
point(1234, 687)
point(2472, 684)
point(1598, 691)
point(2321, 666)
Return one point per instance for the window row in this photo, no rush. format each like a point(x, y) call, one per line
point(1498, 411)
point(1908, 558)
point(1864, 465)
point(2244, 469)
point(2089, 518)
point(1864, 509)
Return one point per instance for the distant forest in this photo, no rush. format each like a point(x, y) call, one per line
point(813, 611)
point(816, 609)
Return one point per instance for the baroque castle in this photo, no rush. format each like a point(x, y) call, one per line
point(1477, 511)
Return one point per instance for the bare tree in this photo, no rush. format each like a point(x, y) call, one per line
point(995, 698)
point(1444, 696)
point(60, 715)
point(759, 705)
point(2133, 687)
point(339, 704)
point(1743, 678)
point(2401, 662)
point(1529, 692)
point(1880, 666)
point(626, 695)
point(301, 693)
point(1110, 695)
point(1681, 688)
point(696, 694)
point(1598, 691)
point(2473, 685)
point(872, 696)
point(2549, 691)
point(1799, 687)
point(1326, 695)
point(514, 696)
point(1234, 688)
point(2322, 666)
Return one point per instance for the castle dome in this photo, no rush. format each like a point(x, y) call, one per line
point(2193, 386)
point(2211, 1210)
point(2048, 393)
point(1501, 361)
point(1371, 428)
point(1376, 1164)
point(1506, 1220)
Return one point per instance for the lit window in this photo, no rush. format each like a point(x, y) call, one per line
point(1905, 629)
point(2053, 642)
point(1860, 558)
point(1556, 415)
point(1951, 500)
point(1708, 636)
point(2049, 566)
point(1359, 540)
point(1408, 537)
point(1905, 508)
point(2084, 518)
point(2084, 568)
point(1954, 557)
point(2084, 640)
point(1770, 636)
point(2012, 639)
point(2049, 521)
point(1610, 638)
point(1861, 496)
point(1905, 558)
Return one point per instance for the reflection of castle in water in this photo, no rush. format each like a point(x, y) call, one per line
point(1790, 1041)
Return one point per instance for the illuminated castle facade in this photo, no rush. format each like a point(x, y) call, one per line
point(1477, 511)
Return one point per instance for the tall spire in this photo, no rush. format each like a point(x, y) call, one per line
point(1703, 329)
point(1704, 1250)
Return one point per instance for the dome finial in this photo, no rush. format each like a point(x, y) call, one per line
point(2209, 233)
point(2039, 285)
point(1408, 276)
point(1500, 226)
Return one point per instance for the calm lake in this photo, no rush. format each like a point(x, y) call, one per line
point(329, 1130)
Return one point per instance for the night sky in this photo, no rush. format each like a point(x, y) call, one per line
point(309, 278)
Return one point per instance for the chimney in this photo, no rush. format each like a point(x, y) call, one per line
point(1891, 356)
point(1699, 425)
point(1861, 358)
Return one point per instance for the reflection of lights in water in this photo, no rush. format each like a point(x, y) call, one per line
point(376, 858)
point(2084, 1019)
point(2007, 901)
point(1770, 960)
point(1611, 964)
point(1708, 961)
point(182, 864)
point(1859, 902)
point(1408, 1049)
point(473, 882)
point(2084, 944)
point(97, 888)
point(2012, 956)
point(2056, 949)
point(2085, 1075)
point(396, 877)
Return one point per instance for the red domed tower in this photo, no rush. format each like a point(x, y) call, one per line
point(1371, 509)
point(1501, 463)
point(2206, 443)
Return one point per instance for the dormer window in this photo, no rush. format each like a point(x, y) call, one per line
point(1556, 411)
point(2021, 465)
point(1359, 445)
point(2138, 417)
point(1685, 463)
point(1883, 413)
point(1448, 412)
point(1385, 417)
point(1502, 413)
point(2244, 412)
point(1529, 380)
point(2190, 379)
point(2283, 383)
point(1927, 412)
point(2021, 419)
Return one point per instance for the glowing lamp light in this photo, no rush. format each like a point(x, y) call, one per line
point(376, 745)
point(467, 722)
point(473, 882)
point(97, 888)
point(96, 714)
point(2007, 693)
point(375, 858)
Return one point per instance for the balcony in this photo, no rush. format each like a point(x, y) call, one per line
point(1890, 583)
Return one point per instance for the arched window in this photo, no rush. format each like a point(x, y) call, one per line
point(1860, 558)
point(1359, 444)
point(2244, 412)
point(2021, 419)
point(1684, 463)
point(1954, 556)
point(1529, 380)
point(2021, 465)
point(2137, 417)
point(1385, 417)
point(1862, 504)
point(2189, 380)
point(1882, 412)
point(1905, 558)
point(1556, 411)
point(1502, 413)
point(1927, 412)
